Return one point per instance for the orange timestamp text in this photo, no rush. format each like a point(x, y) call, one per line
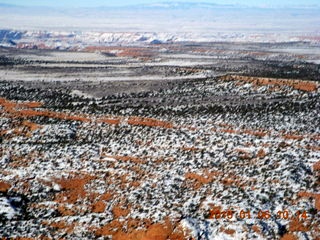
point(261, 214)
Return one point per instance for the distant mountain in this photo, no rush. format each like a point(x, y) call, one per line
point(7, 35)
point(204, 5)
point(166, 5)
point(7, 5)
point(162, 17)
point(159, 5)
point(184, 5)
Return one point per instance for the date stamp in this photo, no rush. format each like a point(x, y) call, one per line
point(261, 214)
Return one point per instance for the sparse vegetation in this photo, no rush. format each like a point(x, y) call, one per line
point(150, 159)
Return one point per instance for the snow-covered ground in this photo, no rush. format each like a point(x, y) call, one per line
point(157, 165)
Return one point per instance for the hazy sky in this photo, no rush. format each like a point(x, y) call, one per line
point(97, 3)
